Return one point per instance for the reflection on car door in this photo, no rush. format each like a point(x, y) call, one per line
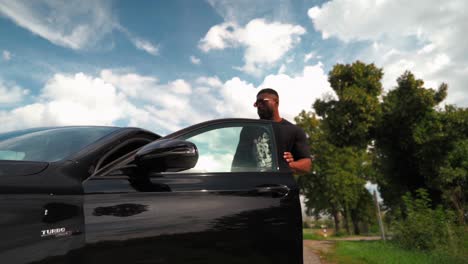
point(235, 206)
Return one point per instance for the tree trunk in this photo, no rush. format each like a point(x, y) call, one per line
point(355, 220)
point(336, 219)
point(456, 199)
point(346, 221)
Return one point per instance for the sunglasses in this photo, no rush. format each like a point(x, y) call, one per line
point(262, 101)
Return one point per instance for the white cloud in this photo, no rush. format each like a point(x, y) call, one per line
point(309, 56)
point(22, 117)
point(195, 60)
point(6, 55)
point(180, 87)
point(265, 43)
point(142, 87)
point(426, 49)
point(161, 107)
point(372, 187)
point(237, 98)
point(210, 81)
point(145, 45)
point(282, 69)
point(368, 20)
point(220, 37)
point(426, 37)
point(11, 94)
point(73, 24)
point(299, 92)
point(132, 84)
point(69, 100)
point(242, 11)
point(138, 100)
point(79, 99)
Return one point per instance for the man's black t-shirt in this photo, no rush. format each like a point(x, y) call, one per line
point(254, 149)
point(291, 138)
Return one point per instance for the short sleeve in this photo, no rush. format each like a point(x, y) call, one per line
point(301, 147)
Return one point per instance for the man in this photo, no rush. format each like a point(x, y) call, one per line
point(292, 139)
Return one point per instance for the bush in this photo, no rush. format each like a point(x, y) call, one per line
point(323, 222)
point(341, 234)
point(374, 229)
point(425, 228)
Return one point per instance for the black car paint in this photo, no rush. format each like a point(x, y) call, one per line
point(30, 191)
point(168, 218)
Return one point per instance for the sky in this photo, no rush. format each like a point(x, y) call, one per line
point(165, 65)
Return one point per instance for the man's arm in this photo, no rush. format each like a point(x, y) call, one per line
point(303, 162)
point(299, 166)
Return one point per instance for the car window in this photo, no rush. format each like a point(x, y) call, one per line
point(121, 150)
point(234, 148)
point(49, 144)
point(11, 155)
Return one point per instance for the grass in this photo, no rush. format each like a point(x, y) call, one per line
point(384, 252)
point(311, 234)
point(465, 239)
point(317, 234)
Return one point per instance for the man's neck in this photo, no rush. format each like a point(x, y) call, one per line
point(277, 118)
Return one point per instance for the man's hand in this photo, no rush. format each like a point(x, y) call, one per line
point(288, 157)
point(298, 166)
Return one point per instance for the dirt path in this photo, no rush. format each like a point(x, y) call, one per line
point(315, 249)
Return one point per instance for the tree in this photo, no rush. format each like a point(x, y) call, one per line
point(336, 184)
point(315, 185)
point(401, 140)
point(453, 179)
point(349, 122)
point(408, 122)
point(351, 117)
point(364, 212)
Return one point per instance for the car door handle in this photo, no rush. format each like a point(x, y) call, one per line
point(276, 190)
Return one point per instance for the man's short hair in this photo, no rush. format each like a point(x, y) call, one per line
point(268, 91)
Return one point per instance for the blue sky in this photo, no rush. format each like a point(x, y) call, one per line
point(164, 65)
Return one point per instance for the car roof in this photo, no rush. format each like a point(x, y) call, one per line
point(39, 129)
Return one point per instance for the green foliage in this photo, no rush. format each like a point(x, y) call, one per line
point(340, 234)
point(336, 184)
point(364, 213)
point(343, 164)
point(350, 119)
point(311, 234)
point(323, 222)
point(451, 169)
point(381, 252)
point(403, 141)
point(374, 229)
point(315, 186)
point(425, 228)
point(408, 139)
point(453, 179)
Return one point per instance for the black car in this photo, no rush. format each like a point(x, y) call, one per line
point(215, 192)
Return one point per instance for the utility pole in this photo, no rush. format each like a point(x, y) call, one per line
point(379, 216)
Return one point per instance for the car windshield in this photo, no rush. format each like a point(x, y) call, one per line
point(48, 144)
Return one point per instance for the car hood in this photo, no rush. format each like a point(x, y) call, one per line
point(21, 168)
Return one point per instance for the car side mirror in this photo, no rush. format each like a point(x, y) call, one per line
point(167, 155)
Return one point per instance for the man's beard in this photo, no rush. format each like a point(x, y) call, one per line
point(265, 113)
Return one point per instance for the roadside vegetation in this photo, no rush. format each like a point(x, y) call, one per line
point(312, 234)
point(385, 252)
point(409, 143)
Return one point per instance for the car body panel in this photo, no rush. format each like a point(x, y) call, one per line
point(195, 217)
point(42, 202)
